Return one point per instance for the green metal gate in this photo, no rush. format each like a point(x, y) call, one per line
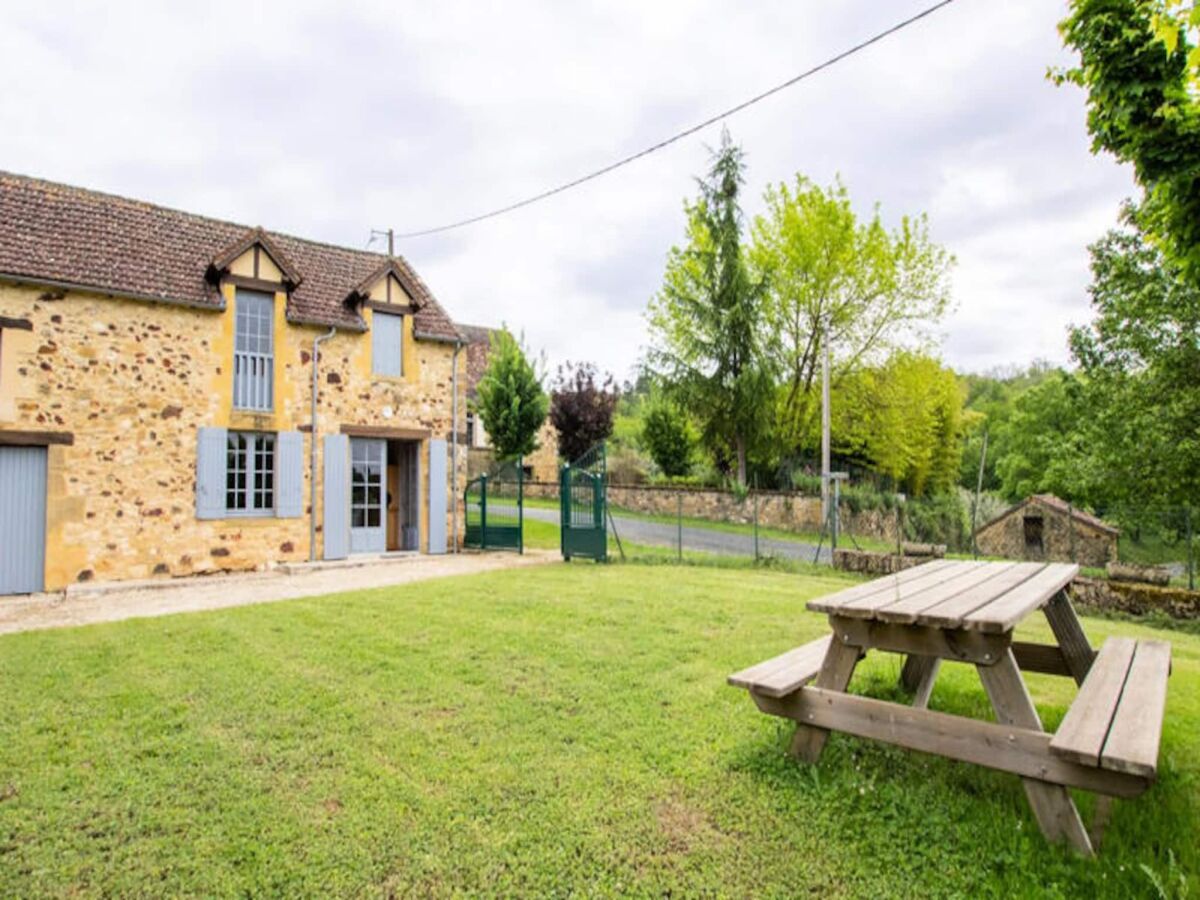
point(495, 508)
point(583, 496)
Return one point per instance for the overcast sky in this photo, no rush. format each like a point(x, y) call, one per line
point(328, 120)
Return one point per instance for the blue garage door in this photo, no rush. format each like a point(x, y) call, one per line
point(22, 519)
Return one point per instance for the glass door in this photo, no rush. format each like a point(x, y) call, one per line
point(368, 530)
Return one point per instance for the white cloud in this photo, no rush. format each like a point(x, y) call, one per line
point(328, 122)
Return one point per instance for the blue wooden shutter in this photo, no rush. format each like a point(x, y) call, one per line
point(437, 495)
point(387, 335)
point(289, 474)
point(210, 473)
point(337, 499)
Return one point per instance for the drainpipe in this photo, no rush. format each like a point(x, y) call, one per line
point(454, 444)
point(312, 475)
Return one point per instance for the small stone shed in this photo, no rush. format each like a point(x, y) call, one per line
point(1045, 527)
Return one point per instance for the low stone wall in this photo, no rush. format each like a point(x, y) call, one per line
point(1136, 599)
point(776, 509)
point(867, 562)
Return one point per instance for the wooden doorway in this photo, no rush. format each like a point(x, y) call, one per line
point(403, 496)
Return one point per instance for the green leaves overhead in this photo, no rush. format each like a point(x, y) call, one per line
point(1141, 72)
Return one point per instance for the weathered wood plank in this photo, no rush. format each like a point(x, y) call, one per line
point(944, 643)
point(907, 609)
point(831, 602)
point(866, 607)
point(784, 674)
point(950, 613)
point(1044, 658)
point(1003, 613)
point(1085, 727)
point(748, 678)
point(1068, 631)
point(835, 675)
point(1052, 806)
point(1133, 738)
point(924, 688)
point(1021, 751)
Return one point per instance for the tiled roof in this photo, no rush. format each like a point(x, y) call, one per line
point(1062, 506)
point(1059, 505)
point(57, 234)
point(478, 338)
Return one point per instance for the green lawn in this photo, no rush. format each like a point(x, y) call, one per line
point(560, 730)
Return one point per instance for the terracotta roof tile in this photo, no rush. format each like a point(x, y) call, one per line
point(56, 233)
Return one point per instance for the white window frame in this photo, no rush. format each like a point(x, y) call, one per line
point(253, 350)
point(258, 491)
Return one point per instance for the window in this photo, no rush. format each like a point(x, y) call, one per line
point(250, 473)
point(366, 483)
point(387, 344)
point(253, 350)
point(1033, 535)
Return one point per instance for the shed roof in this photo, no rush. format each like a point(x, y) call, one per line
point(1058, 505)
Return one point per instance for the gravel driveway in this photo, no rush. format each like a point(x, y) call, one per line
point(706, 540)
point(111, 602)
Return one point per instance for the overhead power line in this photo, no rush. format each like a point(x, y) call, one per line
point(678, 136)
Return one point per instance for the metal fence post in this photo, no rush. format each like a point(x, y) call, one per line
point(1191, 557)
point(483, 511)
point(679, 524)
point(521, 505)
point(756, 527)
point(835, 514)
point(1071, 526)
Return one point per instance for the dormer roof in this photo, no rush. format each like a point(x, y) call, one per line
point(393, 267)
point(254, 237)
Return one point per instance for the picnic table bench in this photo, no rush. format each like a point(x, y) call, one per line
point(965, 612)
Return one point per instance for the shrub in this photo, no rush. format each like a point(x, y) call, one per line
point(510, 399)
point(581, 408)
point(668, 438)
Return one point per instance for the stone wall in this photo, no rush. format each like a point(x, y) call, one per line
point(776, 509)
point(1063, 539)
point(1136, 599)
point(868, 563)
point(134, 381)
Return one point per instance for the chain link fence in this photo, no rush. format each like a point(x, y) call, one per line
point(663, 524)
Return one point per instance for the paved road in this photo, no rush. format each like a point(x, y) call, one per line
point(705, 540)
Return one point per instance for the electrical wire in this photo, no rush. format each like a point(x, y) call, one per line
point(678, 136)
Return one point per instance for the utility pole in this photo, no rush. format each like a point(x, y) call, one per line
point(825, 359)
point(391, 243)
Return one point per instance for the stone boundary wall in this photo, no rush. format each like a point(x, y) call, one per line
point(776, 509)
point(1136, 599)
point(867, 563)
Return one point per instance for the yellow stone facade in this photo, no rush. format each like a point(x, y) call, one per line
point(133, 381)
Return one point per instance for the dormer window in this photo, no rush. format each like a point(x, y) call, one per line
point(254, 351)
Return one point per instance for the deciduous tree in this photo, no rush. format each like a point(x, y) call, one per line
point(819, 261)
point(1138, 66)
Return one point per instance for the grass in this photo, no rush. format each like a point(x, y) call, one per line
point(560, 730)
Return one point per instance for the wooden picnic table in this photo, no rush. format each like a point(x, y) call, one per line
point(965, 611)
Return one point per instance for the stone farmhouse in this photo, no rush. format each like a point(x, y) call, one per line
point(1045, 527)
point(159, 375)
